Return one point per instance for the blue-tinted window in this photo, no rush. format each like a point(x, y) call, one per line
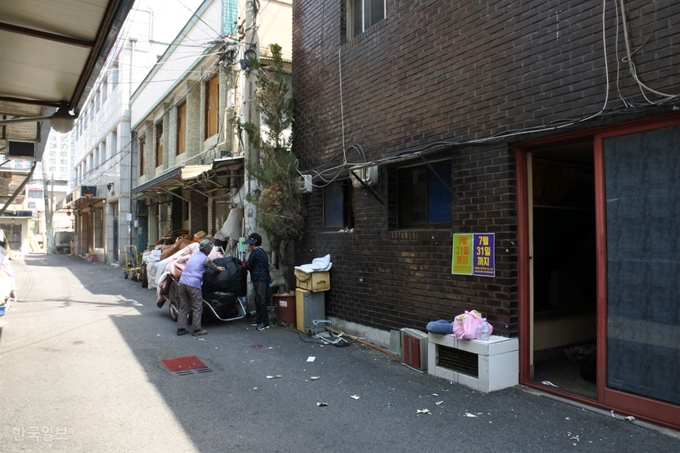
point(424, 195)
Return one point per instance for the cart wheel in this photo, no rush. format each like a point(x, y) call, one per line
point(125, 275)
point(173, 298)
point(174, 310)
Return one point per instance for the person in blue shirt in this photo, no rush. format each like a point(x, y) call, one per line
point(190, 283)
point(258, 266)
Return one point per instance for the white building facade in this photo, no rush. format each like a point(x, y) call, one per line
point(102, 174)
point(189, 156)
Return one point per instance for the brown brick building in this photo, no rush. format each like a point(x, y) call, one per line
point(552, 126)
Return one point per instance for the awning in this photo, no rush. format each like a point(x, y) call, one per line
point(51, 56)
point(170, 180)
point(194, 171)
point(223, 180)
point(82, 197)
point(52, 53)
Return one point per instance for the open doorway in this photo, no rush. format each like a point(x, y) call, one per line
point(563, 290)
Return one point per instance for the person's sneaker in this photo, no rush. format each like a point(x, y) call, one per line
point(199, 332)
point(262, 327)
point(181, 331)
point(254, 324)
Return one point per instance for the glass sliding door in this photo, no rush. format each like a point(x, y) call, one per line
point(641, 178)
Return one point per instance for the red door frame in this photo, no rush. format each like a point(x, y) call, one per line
point(652, 410)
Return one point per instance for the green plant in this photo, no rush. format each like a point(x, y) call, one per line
point(279, 201)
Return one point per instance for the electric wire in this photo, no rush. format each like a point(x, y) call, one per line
point(193, 14)
point(557, 124)
point(632, 69)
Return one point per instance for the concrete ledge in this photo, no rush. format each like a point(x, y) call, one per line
point(498, 361)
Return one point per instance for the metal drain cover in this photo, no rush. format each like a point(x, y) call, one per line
point(183, 366)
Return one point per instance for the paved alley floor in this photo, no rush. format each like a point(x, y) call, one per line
point(81, 371)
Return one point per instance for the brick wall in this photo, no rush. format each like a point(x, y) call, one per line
point(457, 71)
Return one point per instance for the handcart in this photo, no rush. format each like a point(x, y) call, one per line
point(132, 267)
point(225, 306)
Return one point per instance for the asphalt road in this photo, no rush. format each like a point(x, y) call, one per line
point(80, 371)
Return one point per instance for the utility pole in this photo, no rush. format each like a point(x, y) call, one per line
point(249, 113)
point(49, 230)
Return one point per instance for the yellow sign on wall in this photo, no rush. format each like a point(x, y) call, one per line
point(474, 254)
point(462, 254)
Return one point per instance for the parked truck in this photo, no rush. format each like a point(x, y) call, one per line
point(63, 241)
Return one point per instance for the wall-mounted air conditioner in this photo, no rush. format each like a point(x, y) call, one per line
point(305, 183)
point(369, 176)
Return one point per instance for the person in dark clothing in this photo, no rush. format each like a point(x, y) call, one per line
point(190, 284)
point(258, 266)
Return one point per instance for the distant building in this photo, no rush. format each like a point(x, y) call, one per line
point(101, 199)
point(189, 158)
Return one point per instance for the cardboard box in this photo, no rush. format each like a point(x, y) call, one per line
point(314, 282)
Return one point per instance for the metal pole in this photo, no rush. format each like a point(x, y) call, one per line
point(48, 215)
point(249, 112)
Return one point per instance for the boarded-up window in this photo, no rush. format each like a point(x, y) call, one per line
point(142, 150)
point(182, 128)
point(159, 144)
point(212, 92)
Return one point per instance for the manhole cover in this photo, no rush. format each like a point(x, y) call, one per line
point(183, 366)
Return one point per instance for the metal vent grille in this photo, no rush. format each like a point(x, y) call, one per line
point(184, 366)
point(459, 361)
point(193, 371)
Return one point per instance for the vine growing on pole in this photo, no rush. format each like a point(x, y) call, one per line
point(279, 199)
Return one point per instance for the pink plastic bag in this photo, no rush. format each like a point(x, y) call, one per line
point(465, 325)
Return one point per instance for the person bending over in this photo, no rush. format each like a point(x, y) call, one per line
point(190, 283)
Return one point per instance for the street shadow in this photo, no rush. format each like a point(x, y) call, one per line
point(282, 391)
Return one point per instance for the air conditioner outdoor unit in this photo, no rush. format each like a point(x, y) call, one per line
point(414, 348)
point(21, 150)
point(305, 183)
point(369, 176)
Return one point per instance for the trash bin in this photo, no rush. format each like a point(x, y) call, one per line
point(285, 309)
